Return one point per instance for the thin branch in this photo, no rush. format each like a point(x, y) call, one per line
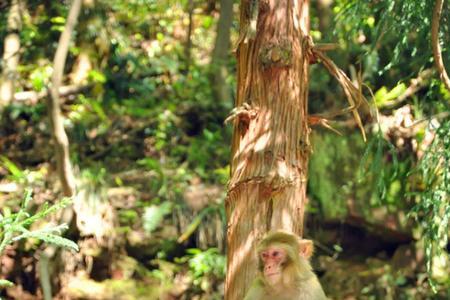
point(416, 85)
point(33, 97)
point(437, 51)
point(439, 116)
point(65, 171)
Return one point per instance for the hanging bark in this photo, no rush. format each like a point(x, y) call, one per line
point(56, 119)
point(221, 91)
point(11, 54)
point(270, 147)
point(437, 52)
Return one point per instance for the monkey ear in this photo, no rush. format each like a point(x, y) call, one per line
point(306, 248)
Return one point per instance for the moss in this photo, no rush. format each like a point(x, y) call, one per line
point(276, 55)
point(333, 172)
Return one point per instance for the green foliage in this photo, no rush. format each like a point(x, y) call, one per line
point(97, 76)
point(203, 153)
point(205, 266)
point(373, 164)
point(150, 110)
point(40, 77)
point(190, 229)
point(209, 262)
point(432, 210)
point(332, 173)
point(18, 175)
point(128, 216)
point(406, 24)
point(13, 226)
point(383, 95)
point(5, 283)
point(154, 215)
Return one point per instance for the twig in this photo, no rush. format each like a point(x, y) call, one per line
point(438, 116)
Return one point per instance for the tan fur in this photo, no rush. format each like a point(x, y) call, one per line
point(298, 279)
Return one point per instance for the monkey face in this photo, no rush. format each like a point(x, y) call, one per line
point(273, 259)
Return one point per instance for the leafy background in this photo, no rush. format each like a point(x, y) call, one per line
point(151, 152)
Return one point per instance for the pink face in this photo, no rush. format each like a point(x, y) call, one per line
point(273, 259)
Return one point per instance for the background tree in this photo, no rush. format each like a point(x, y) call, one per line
point(11, 54)
point(219, 59)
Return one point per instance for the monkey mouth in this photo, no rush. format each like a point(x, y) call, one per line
point(273, 274)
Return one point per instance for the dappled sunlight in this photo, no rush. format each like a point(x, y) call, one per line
point(117, 179)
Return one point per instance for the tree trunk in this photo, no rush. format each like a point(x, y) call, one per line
point(270, 147)
point(11, 55)
point(188, 47)
point(48, 258)
point(56, 119)
point(221, 91)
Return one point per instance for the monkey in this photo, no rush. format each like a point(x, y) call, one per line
point(284, 271)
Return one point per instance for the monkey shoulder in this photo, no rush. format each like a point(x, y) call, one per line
point(256, 291)
point(311, 289)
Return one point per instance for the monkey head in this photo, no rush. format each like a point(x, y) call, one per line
point(280, 251)
point(284, 270)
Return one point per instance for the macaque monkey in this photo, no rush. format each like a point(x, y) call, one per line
point(284, 271)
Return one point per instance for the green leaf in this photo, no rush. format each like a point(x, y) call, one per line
point(5, 283)
point(12, 168)
point(58, 20)
point(207, 22)
point(154, 215)
point(49, 238)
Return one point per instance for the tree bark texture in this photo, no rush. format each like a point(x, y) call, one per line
point(11, 54)
point(270, 147)
point(221, 91)
point(65, 171)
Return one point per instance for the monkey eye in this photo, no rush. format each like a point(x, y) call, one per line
point(275, 253)
point(264, 255)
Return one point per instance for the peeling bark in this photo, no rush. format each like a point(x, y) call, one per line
point(270, 150)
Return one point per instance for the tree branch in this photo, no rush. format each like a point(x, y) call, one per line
point(33, 97)
point(56, 119)
point(437, 52)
